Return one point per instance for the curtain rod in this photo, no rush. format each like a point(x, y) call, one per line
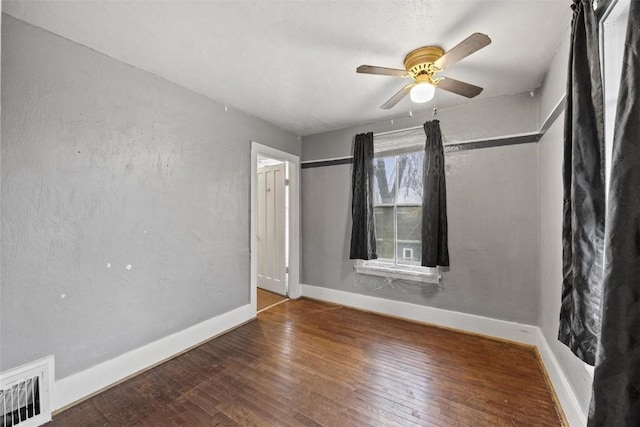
point(397, 130)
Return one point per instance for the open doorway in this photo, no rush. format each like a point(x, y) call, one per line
point(274, 224)
point(273, 219)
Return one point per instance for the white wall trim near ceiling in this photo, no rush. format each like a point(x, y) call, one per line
point(78, 387)
point(511, 331)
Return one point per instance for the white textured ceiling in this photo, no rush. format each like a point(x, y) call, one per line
point(293, 63)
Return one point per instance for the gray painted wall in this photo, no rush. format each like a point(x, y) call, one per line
point(104, 164)
point(554, 84)
point(484, 118)
point(492, 205)
point(550, 218)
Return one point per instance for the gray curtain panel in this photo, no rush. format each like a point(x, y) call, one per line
point(583, 176)
point(363, 229)
point(616, 386)
point(435, 247)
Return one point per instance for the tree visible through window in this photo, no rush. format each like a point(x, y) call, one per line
point(397, 200)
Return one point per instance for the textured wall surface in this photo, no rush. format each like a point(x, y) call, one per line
point(554, 84)
point(492, 209)
point(125, 203)
point(484, 118)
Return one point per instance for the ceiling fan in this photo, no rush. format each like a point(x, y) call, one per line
point(424, 63)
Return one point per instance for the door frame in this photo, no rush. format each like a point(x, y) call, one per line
point(294, 289)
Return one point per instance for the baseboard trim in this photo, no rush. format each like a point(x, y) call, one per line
point(511, 331)
point(77, 387)
point(518, 332)
point(563, 390)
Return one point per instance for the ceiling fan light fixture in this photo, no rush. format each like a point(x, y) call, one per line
point(422, 92)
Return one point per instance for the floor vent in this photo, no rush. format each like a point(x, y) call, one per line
point(25, 394)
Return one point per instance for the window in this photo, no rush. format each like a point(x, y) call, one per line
point(397, 201)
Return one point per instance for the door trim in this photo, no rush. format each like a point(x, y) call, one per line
point(295, 290)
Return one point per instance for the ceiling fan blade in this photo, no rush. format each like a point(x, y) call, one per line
point(397, 97)
point(458, 87)
point(471, 44)
point(383, 71)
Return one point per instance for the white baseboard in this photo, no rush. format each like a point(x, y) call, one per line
point(86, 383)
point(517, 332)
point(83, 384)
point(511, 331)
point(567, 398)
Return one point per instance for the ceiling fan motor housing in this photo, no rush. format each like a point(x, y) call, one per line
point(419, 62)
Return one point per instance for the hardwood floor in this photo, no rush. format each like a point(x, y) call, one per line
point(309, 363)
point(267, 299)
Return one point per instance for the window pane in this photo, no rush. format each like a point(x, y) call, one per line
point(384, 232)
point(410, 175)
point(384, 175)
point(409, 243)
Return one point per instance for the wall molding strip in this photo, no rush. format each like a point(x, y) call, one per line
point(553, 116)
point(322, 163)
point(448, 148)
point(493, 142)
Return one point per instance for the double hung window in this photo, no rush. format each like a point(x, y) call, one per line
point(397, 203)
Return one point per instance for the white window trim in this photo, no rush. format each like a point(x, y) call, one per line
point(393, 145)
point(413, 273)
point(613, 30)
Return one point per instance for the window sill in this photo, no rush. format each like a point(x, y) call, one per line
point(404, 272)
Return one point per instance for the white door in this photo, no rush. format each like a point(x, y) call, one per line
point(271, 229)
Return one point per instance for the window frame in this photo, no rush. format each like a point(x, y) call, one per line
point(613, 17)
point(389, 268)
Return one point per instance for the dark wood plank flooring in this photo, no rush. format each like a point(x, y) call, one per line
point(307, 363)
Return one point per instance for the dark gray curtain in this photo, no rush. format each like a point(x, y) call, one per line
point(435, 248)
point(616, 386)
point(583, 176)
point(363, 230)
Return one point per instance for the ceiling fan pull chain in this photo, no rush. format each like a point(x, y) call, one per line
point(435, 110)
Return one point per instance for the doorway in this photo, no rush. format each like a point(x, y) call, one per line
point(273, 218)
point(275, 241)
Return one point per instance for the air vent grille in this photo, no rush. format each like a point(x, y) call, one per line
point(25, 394)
